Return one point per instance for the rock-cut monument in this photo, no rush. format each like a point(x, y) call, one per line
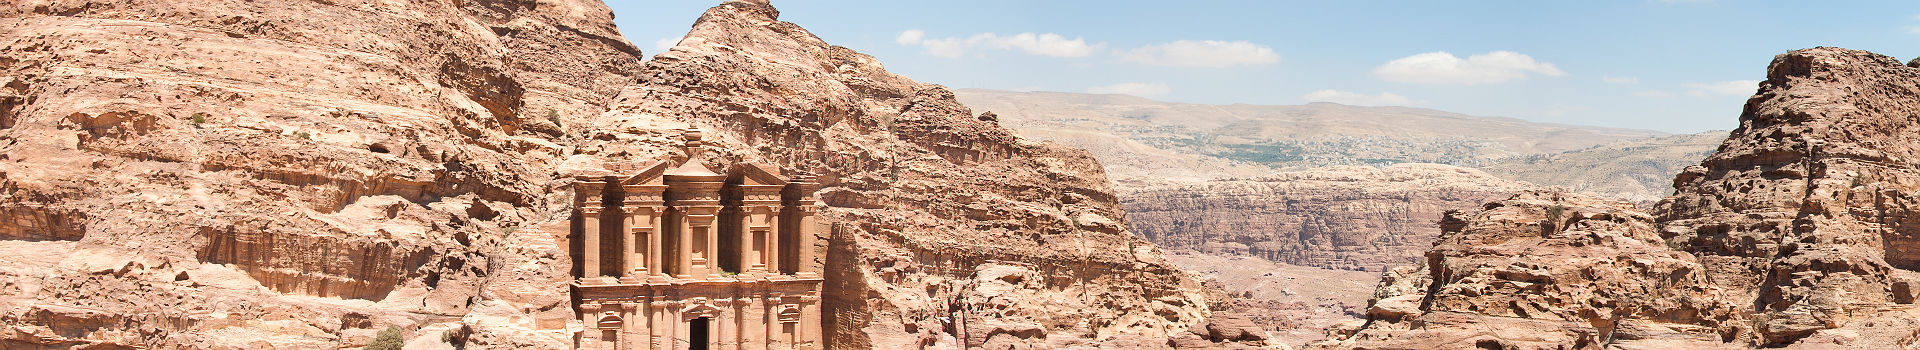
point(678, 256)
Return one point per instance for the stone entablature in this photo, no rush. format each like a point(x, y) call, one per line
point(683, 257)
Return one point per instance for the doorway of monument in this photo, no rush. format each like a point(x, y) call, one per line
point(697, 333)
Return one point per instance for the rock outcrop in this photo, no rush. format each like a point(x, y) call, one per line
point(1350, 218)
point(195, 173)
point(1795, 233)
point(256, 174)
point(949, 228)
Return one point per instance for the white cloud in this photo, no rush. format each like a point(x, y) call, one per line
point(1724, 88)
point(665, 44)
point(1203, 54)
point(1913, 30)
point(1653, 94)
point(1359, 99)
point(1446, 69)
point(1048, 44)
point(1620, 80)
point(910, 37)
point(1136, 89)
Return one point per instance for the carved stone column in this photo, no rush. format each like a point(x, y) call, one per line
point(661, 319)
point(728, 324)
point(810, 334)
point(590, 332)
point(643, 206)
point(587, 190)
point(760, 208)
point(803, 207)
point(695, 189)
point(630, 335)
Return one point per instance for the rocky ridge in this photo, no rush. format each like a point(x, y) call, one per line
point(1159, 140)
point(1793, 234)
point(940, 214)
point(1350, 218)
point(243, 174)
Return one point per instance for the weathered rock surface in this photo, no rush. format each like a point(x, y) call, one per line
point(246, 174)
point(1288, 304)
point(1351, 218)
point(261, 174)
point(1794, 233)
point(1542, 270)
point(949, 228)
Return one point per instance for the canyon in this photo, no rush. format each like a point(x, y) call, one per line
point(1792, 234)
point(1324, 187)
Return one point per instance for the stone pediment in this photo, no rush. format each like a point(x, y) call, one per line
point(755, 174)
point(649, 174)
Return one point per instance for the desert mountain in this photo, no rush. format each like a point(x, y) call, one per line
point(1638, 171)
point(1794, 233)
point(1147, 138)
point(260, 174)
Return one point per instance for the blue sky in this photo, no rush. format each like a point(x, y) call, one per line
point(1675, 66)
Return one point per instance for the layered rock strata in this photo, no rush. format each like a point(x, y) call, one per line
point(1349, 218)
point(1793, 234)
point(201, 171)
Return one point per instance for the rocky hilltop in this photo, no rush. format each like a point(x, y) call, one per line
point(249, 174)
point(941, 216)
point(1795, 233)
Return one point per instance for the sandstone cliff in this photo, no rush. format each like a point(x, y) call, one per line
point(1794, 233)
point(247, 174)
point(949, 228)
point(1351, 218)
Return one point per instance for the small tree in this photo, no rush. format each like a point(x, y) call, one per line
point(389, 339)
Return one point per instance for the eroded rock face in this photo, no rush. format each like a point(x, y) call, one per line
point(1794, 233)
point(247, 174)
point(1545, 269)
point(948, 228)
point(1351, 218)
point(197, 170)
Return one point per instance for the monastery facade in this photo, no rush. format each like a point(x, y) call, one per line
point(680, 256)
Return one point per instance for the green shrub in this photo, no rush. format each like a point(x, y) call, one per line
point(199, 117)
point(303, 135)
point(389, 339)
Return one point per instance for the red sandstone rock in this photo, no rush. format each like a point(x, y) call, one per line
point(316, 167)
point(1793, 234)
